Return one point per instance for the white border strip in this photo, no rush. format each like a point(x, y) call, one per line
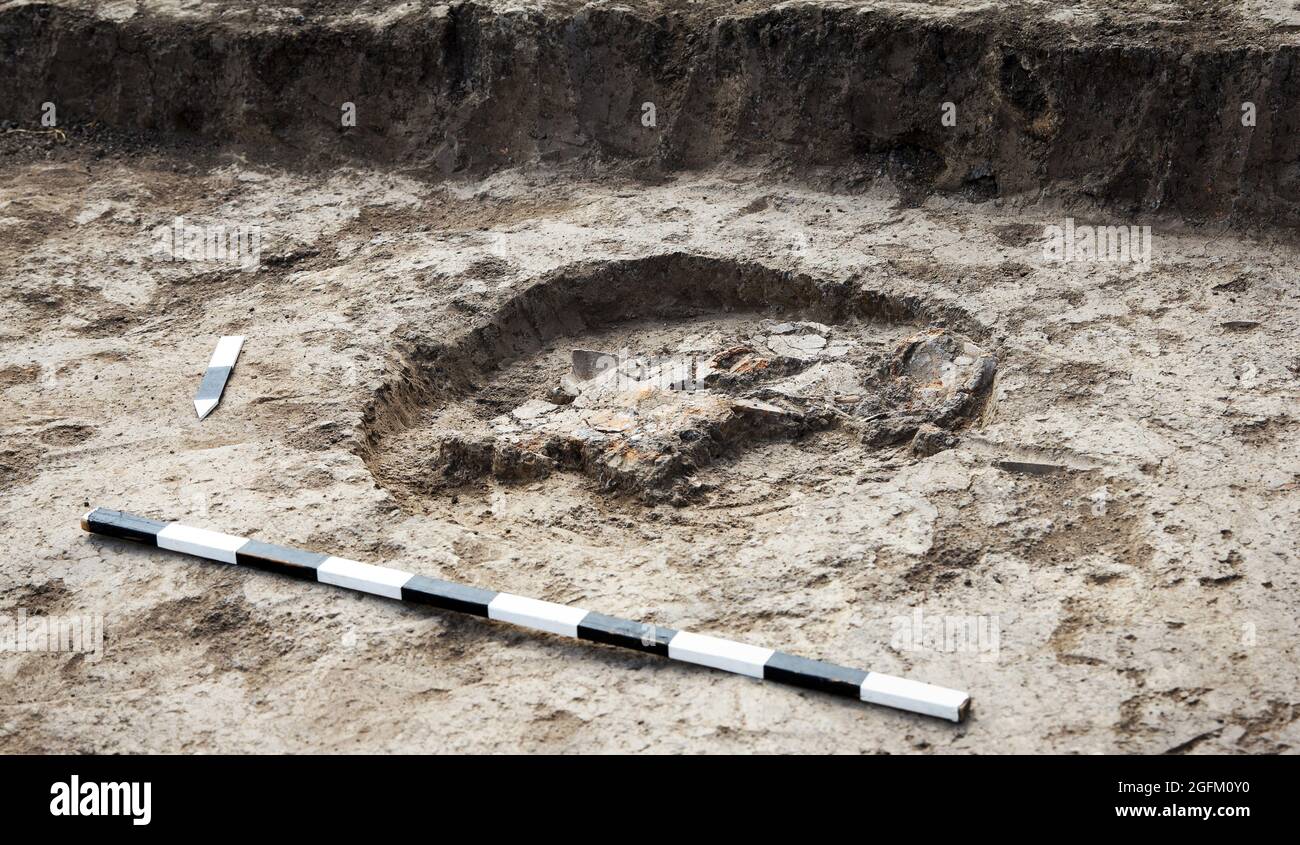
point(212, 545)
point(719, 653)
point(893, 691)
point(534, 613)
point(376, 580)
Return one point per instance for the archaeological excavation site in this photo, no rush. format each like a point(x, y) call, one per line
point(668, 377)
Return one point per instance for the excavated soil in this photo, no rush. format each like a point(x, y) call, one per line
point(694, 376)
point(900, 410)
point(1136, 107)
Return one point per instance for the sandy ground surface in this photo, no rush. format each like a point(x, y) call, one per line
point(1144, 596)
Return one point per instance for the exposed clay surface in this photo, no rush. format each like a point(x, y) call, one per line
point(1114, 477)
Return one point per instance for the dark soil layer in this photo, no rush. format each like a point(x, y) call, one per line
point(1135, 120)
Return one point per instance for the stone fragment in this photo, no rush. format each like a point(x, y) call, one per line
point(1029, 468)
point(931, 440)
point(801, 346)
point(587, 363)
point(532, 409)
